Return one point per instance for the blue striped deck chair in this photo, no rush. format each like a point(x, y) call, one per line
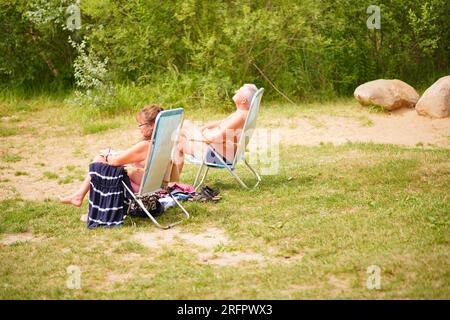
point(244, 139)
point(158, 161)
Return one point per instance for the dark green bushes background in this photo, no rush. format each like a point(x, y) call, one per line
point(205, 49)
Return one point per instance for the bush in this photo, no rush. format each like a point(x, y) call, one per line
point(197, 52)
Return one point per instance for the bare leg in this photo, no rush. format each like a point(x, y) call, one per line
point(178, 160)
point(189, 143)
point(193, 144)
point(77, 198)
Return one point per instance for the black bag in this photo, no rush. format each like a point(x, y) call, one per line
point(151, 203)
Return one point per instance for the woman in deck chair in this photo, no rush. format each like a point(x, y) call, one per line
point(133, 158)
point(221, 135)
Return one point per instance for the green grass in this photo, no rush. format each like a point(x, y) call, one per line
point(99, 126)
point(67, 179)
point(71, 168)
point(130, 99)
point(16, 105)
point(17, 108)
point(344, 208)
point(320, 222)
point(50, 175)
point(373, 108)
point(6, 132)
point(11, 158)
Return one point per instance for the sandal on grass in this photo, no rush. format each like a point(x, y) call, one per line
point(207, 194)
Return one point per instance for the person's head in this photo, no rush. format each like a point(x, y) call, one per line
point(146, 120)
point(243, 96)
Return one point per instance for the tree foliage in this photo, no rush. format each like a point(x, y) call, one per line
point(304, 48)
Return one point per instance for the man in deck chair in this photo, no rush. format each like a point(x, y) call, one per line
point(222, 135)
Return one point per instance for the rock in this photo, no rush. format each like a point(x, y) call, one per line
point(435, 101)
point(389, 94)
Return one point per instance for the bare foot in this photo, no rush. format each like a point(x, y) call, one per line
point(84, 217)
point(74, 200)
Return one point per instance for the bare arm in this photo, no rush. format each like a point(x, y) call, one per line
point(136, 153)
point(235, 122)
point(211, 125)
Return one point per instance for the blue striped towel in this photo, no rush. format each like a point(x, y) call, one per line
point(108, 198)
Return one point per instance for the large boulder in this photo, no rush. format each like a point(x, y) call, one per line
point(435, 101)
point(389, 94)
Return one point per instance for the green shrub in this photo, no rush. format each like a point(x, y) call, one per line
point(198, 52)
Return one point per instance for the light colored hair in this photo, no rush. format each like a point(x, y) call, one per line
point(251, 89)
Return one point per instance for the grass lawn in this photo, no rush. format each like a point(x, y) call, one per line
point(313, 230)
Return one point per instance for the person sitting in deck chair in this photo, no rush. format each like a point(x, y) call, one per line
point(222, 135)
point(133, 158)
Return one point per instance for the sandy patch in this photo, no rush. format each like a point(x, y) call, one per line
point(118, 277)
point(207, 239)
point(203, 244)
point(11, 238)
point(132, 256)
point(231, 258)
point(402, 127)
point(292, 258)
point(53, 154)
point(341, 284)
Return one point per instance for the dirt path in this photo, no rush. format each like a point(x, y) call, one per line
point(64, 155)
point(53, 150)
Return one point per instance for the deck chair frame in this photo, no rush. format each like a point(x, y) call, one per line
point(247, 131)
point(158, 161)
